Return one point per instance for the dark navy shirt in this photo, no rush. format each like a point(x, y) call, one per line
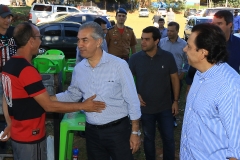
point(233, 47)
point(153, 79)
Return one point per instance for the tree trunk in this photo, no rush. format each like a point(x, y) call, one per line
point(29, 2)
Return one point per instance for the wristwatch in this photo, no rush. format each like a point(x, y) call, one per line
point(137, 132)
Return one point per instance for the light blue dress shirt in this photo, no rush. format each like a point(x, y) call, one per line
point(176, 49)
point(211, 128)
point(163, 32)
point(78, 54)
point(112, 81)
point(236, 23)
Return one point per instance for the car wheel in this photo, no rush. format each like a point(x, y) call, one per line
point(42, 50)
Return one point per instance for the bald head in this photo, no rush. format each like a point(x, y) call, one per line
point(23, 32)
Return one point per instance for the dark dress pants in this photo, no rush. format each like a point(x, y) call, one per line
point(109, 142)
point(165, 124)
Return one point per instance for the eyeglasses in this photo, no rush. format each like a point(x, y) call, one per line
point(40, 37)
point(121, 16)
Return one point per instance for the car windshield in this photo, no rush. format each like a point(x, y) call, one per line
point(198, 21)
point(192, 10)
point(144, 10)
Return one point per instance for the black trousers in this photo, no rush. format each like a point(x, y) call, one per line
point(109, 142)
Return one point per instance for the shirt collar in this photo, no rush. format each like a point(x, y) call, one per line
point(209, 73)
point(104, 59)
point(178, 39)
point(157, 54)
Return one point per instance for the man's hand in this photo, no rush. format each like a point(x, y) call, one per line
point(141, 100)
point(93, 106)
point(6, 133)
point(175, 108)
point(135, 143)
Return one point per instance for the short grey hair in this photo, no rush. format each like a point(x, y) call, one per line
point(97, 29)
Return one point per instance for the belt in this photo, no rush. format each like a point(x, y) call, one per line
point(110, 124)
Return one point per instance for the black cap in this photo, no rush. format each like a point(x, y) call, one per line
point(121, 10)
point(5, 11)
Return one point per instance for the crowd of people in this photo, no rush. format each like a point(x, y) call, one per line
point(118, 88)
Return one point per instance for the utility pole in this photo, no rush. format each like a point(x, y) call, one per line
point(226, 3)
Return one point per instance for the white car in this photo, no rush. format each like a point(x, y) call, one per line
point(143, 12)
point(51, 17)
point(162, 11)
point(39, 10)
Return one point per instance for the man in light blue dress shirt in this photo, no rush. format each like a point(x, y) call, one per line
point(236, 22)
point(174, 44)
point(109, 133)
point(103, 24)
point(211, 127)
point(162, 29)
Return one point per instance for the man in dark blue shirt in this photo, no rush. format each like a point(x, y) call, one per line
point(224, 20)
point(154, 70)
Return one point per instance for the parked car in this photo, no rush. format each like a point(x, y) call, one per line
point(39, 10)
point(143, 12)
point(209, 12)
point(192, 22)
point(189, 12)
point(162, 11)
point(200, 12)
point(82, 18)
point(59, 35)
point(51, 17)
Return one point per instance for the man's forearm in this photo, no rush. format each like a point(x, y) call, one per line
point(135, 125)
point(53, 98)
point(5, 111)
point(175, 86)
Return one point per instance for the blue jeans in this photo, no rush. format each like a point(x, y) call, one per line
point(164, 121)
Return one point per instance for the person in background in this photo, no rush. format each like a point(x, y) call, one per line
point(236, 22)
point(163, 31)
point(103, 24)
point(170, 16)
point(26, 100)
point(174, 44)
point(8, 47)
point(155, 19)
point(121, 40)
point(211, 127)
point(108, 134)
point(154, 70)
